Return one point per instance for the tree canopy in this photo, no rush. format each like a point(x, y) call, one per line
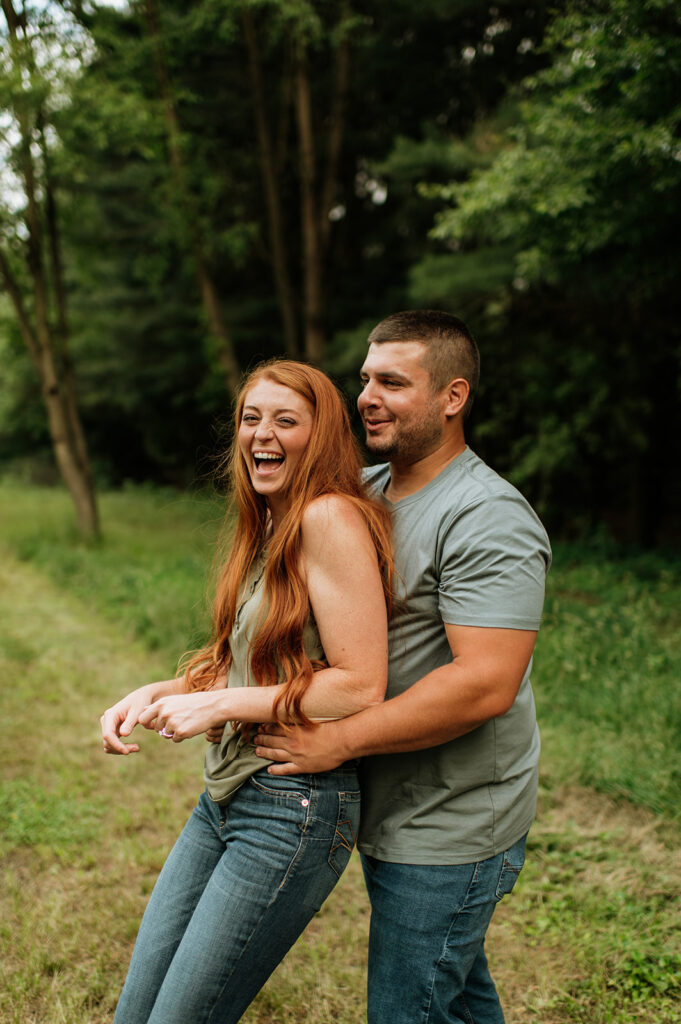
point(235, 179)
point(585, 191)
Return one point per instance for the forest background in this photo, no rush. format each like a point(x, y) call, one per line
point(190, 188)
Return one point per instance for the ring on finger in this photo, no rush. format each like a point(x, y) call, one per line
point(166, 735)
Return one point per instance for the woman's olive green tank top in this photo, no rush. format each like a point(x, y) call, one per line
point(231, 762)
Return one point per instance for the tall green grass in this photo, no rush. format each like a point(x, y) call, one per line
point(607, 675)
point(150, 573)
point(591, 933)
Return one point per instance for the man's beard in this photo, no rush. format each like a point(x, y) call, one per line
point(409, 442)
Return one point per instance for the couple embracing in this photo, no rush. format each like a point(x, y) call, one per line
point(423, 574)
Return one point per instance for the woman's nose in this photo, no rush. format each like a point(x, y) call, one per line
point(263, 429)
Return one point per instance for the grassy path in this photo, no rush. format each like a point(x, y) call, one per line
point(592, 933)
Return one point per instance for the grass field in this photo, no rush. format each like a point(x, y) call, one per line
point(592, 932)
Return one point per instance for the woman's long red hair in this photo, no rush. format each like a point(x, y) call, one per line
point(330, 464)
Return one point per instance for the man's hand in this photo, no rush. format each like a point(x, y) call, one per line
point(299, 748)
point(215, 734)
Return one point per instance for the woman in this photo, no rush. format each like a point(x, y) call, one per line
point(299, 633)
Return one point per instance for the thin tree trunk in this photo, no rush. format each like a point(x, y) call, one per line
point(17, 301)
point(63, 421)
point(336, 133)
point(68, 382)
point(315, 207)
point(312, 264)
point(76, 476)
point(60, 415)
point(209, 294)
point(268, 170)
point(285, 104)
point(217, 325)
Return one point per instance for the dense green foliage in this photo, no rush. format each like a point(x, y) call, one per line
point(515, 163)
point(585, 191)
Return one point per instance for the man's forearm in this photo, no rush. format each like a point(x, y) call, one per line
point(438, 708)
point(480, 683)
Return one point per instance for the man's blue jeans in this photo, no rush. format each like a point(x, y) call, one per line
point(426, 946)
point(234, 895)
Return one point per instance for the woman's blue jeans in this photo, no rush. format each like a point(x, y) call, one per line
point(238, 888)
point(427, 962)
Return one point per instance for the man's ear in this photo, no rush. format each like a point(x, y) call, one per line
point(456, 392)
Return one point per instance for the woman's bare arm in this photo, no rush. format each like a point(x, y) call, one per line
point(346, 596)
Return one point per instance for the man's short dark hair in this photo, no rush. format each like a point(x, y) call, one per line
point(450, 348)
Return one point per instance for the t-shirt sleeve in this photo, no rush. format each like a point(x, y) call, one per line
point(493, 561)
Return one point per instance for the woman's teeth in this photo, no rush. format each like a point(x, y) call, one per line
point(268, 457)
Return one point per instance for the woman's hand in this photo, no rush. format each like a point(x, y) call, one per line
point(122, 718)
point(186, 714)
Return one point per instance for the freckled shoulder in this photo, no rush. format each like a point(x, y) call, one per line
point(332, 518)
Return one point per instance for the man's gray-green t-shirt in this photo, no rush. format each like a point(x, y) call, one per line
point(469, 551)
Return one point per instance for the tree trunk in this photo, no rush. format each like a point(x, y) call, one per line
point(312, 265)
point(217, 326)
point(60, 415)
point(64, 423)
point(68, 384)
point(268, 170)
point(315, 208)
point(209, 293)
point(336, 132)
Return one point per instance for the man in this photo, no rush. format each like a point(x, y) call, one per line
point(449, 775)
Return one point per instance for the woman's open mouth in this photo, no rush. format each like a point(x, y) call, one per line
point(267, 463)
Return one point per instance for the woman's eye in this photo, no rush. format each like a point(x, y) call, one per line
point(287, 422)
point(249, 419)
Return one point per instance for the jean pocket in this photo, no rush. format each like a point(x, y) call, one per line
point(283, 787)
point(345, 834)
point(511, 866)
